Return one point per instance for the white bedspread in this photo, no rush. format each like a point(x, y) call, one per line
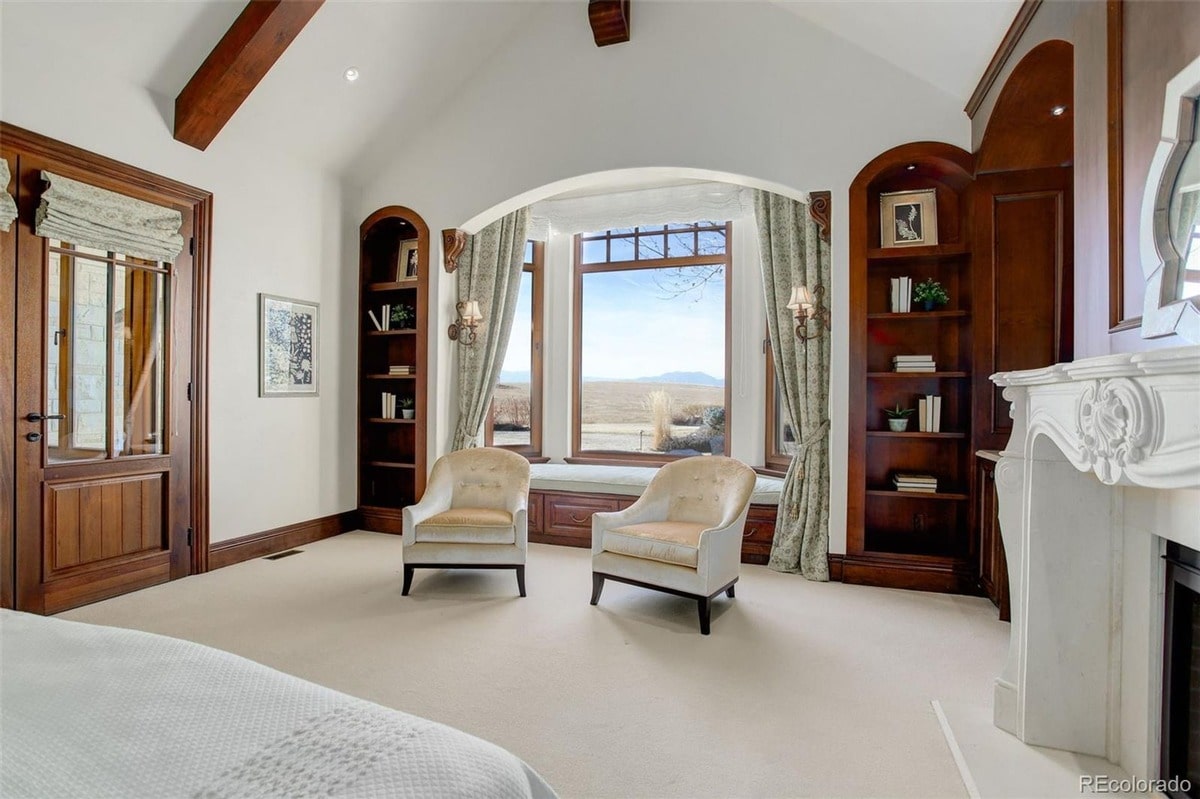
point(89, 711)
point(627, 480)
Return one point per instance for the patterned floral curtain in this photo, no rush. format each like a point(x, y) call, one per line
point(489, 272)
point(794, 254)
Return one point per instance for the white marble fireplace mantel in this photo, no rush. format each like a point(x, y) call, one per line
point(1085, 434)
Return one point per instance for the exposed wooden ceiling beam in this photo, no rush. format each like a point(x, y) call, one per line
point(609, 20)
point(235, 66)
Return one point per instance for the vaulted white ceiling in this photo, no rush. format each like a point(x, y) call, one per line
point(414, 56)
point(947, 43)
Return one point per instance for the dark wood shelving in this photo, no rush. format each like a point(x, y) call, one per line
point(917, 375)
point(391, 452)
point(917, 316)
point(936, 252)
point(895, 538)
point(914, 434)
point(394, 285)
point(891, 493)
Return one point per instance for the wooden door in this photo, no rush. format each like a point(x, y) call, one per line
point(1023, 284)
point(103, 429)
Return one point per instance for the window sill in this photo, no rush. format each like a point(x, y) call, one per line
point(615, 459)
point(770, 471)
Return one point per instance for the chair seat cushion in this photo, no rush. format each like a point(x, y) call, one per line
point(468, 526)
point(667, 542)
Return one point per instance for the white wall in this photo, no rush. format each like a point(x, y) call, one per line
point(278, 227)
point(745, 89)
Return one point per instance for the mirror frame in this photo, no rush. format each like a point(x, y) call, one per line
point(1164, 313)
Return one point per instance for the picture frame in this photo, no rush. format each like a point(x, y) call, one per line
point(908, 218)
point(289, 335)
point(408, 260)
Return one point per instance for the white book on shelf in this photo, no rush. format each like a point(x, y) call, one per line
point(924, 368)
point(895, 295)
point(912, 358)
point(387, 317)
point(923, 415)
point(374, 320)
point(906, 284)
point(937, 414)
point(383, 405)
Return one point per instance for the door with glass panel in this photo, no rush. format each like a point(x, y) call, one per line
point(103, 431)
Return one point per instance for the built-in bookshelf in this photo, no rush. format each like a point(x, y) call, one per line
point(899, 535)
point(392, 365)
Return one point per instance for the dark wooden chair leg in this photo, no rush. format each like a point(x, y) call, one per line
point(729, 592)
point(521, 579)
point(408, 575)
point(597, 586)
point(705, 607)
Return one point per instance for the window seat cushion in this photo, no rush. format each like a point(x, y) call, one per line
point(579, 478)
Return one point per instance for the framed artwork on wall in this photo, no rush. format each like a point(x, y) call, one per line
point(908, 218)
point(288, 346)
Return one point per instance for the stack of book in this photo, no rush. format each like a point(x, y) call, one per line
point(901, 294)
point(915, 483)
point(914, 363)
point(386, 318)
point(929, 414)
point(401, 370)
point(389, 406)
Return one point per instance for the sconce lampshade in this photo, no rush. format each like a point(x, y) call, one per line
point(471, 314)
point(801, 298)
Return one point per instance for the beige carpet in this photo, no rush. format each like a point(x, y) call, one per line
point(803, 689)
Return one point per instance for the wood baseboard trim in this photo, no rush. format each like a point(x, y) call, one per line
point(835, 567)
point(268, 542)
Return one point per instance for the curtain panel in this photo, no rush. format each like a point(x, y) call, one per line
point(794, 254)
point(8, 206)
point(489, 272)
point(93, 217)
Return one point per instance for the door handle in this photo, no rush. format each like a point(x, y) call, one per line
point(33, 436)
point(38, 417)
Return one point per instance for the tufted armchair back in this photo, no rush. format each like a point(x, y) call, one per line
point(711, 490)
point(483, 477)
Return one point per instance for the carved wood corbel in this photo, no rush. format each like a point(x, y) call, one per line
point(819, 203)
point(454, 241)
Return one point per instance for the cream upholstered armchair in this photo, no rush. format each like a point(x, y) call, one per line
point(683, 536)
point(472, 516)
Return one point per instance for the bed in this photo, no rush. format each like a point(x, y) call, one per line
point(105, 712)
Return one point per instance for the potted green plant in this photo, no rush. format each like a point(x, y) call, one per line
point(406, 408)
point(404, 317)
point(929, 294)
point(898, 418)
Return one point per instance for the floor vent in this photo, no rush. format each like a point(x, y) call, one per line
point(279, 555)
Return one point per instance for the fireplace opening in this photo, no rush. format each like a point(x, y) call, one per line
point(1181, 673)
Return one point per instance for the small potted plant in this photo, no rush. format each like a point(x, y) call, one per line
point(404, 317)
point(898, 418)
point(929, 294)
point(406, 408)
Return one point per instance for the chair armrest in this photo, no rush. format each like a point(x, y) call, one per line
point(521, 528)
point(436, 500)
point(720, 553)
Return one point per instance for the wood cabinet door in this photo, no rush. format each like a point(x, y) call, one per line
point(1023, 284)
point(103, 428)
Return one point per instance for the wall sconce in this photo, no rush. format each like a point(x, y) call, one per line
point(465, 327)
point(808, 306)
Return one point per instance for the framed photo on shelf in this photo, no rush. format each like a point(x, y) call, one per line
point(908, 218)
point(289, 332)
point(406, 263)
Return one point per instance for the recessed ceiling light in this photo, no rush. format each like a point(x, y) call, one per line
point(1058, 110)
point(351, 74)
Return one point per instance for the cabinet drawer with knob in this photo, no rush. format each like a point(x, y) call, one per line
point(567, 518)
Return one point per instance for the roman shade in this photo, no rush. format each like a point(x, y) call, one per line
point(8, 208)
point(94, 217)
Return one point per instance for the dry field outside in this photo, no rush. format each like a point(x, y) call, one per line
point(616, 413)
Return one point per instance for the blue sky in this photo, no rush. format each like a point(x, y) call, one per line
point(632, 328)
